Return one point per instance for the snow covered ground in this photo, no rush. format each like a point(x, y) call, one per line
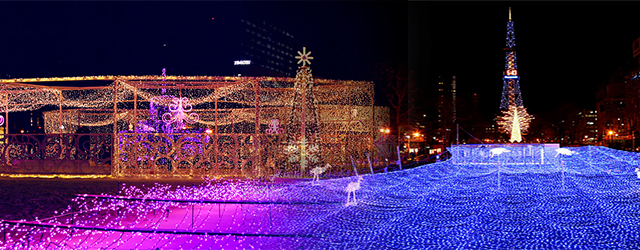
point(588, 200)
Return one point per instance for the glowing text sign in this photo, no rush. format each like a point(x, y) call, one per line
point(242, 62)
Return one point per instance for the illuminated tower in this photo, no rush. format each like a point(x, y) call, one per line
point(515, 119)
point(511, 88)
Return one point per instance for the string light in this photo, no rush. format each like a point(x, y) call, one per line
point(458, 203)
point(514, 121)
point(61, 176)
point(339, 121)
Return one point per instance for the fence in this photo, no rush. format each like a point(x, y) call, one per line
point(77, 154)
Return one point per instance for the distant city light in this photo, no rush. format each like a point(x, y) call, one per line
point(242, 62)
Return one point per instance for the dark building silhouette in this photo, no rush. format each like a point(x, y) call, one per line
point(265, 50)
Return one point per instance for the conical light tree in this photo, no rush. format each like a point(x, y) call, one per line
point(514, 121)
point(302, 128)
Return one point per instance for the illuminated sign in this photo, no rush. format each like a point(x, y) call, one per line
point(242, 62)
point(512, 72)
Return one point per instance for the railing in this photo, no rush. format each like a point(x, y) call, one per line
point(76, 154)
point(244, 155)
point(518, 154)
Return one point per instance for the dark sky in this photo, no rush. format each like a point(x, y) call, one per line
point(88, 38)
point(565, 49)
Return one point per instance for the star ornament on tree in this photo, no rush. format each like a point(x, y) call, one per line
point(304, 57)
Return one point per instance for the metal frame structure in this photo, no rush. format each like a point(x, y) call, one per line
point(236, 111)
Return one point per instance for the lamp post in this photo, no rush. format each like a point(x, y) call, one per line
point(417, 135)
point(409, 145)
point(610, 136)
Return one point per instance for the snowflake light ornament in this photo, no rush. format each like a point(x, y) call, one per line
point(177, 112)
point(305, 154)
point(304, 57)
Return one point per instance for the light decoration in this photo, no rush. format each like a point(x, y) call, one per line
point(304, 57)
point(274, 127)
point(514, 121)
point(445, 205)
point(61, 176)
point(351, 189)
point(177, 112)
point(303, 153)
point(238, 110)
point(303, 125)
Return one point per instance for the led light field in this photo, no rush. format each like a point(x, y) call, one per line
point(588, 200)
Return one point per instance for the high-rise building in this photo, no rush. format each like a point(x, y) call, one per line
point(265, 50)
point(446, 111)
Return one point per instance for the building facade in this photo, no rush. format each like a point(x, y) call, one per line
point(265, 50)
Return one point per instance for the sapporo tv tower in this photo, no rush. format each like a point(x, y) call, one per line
point(515, 119)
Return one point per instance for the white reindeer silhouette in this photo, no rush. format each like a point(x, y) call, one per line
point(351, 188)
point(317, 171)
point(498, 151)
point(565, 151)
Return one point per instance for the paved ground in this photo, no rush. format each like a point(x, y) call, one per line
point(27, 198)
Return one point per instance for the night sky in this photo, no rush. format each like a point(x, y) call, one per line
point(565, 50)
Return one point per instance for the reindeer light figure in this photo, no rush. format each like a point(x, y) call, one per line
point(317, 171)
point(351, 189)
point(498, 151)
point(564, 151)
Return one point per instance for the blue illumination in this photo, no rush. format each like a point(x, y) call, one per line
point(585, 201)
point(513, 196)
point(511, 77)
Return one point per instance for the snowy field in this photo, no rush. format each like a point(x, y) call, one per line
point(589, 200)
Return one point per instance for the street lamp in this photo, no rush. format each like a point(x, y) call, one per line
point(409, 145)
point(610, 135)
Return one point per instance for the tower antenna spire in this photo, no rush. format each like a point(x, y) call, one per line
point(509, 13)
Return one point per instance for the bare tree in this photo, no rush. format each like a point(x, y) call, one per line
point(395, 81)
